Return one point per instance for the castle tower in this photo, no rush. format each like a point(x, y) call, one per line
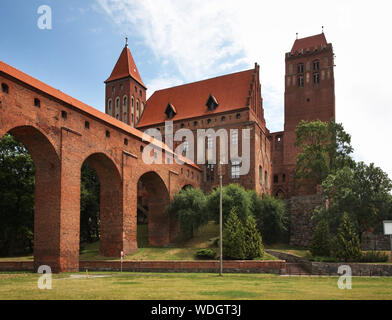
point(125, 90)
point(309, 95)
point(310, 87)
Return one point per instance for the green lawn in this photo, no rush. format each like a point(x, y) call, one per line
point(180, 249)
point(134, 286)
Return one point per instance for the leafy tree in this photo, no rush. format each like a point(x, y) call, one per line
point(234, 237)
point(346, 245)
point(234, 197)
point(16, 198)
point(89, 205)
point(363, 192)
point(190, 208)
point(325, 148)
point(253, 242)
point(321, 243)
point(271, 217)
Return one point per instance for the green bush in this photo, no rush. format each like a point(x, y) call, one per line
point(271, 217)
point(321, 244)
point(346, 245)
point(189, 207)
point(374, 256)
point(206, 254)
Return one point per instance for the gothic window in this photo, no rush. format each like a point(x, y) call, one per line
point(125, 109)
point(300, 68)
point(266, 179)
point(4, 88)
point(316, 78)
point(316, 65)
point(117, 115)
point(210, 172)
point(276, 178)
point(284, 178)
point(261, 175)
point(110, 107)
point(137, 111)
point(235, 169)
point(300, 81)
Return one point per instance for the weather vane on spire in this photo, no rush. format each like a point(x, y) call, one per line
point(322, 29)
point(126, 41)
point(296, 35)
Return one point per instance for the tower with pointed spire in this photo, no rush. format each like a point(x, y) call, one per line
point(125, 90)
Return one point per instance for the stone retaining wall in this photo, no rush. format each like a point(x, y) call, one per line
point(301, 210)
point(273, 266)
point(358, 269)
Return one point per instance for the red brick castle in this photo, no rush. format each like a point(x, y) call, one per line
point(235, 101)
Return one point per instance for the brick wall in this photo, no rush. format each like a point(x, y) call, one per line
point(276, 267)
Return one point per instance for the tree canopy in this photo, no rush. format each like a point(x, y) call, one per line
point(324, 148)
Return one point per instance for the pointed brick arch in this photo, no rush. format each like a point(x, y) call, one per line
point(47, 194)
point(111, 211)
point(158, 199)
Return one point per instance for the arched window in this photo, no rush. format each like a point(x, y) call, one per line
point(117, 115)
point(300, 81)
point(300, 68)
point(125, 109)
point(137, 111)
point(316, 65)
point(316, 78)
point(110, 107)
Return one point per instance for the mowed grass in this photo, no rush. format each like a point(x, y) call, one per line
point(136, 286)
point(180, 249)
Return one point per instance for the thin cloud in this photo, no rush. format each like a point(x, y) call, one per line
point(200, 39)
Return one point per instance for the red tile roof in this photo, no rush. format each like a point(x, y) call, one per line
point(309, 42)
point(43, 87)
point(231, 91)
point(125, 67)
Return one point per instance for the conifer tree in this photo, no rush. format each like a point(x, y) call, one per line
point(233, 238)
point(347, 246)
point(321, 244)
point(253, 241)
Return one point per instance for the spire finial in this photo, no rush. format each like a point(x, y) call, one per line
point(126, 41)
point(322, 29)
point(296, 35)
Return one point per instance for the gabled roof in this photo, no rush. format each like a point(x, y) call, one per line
point(125, 67)
point(57, 94)
point(232, 92)
point(309, 42)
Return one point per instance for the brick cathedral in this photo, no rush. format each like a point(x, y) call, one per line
point(234, 101)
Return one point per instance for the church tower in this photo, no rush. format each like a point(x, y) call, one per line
point(125, 90)
point(309, 95)
point(310, 87)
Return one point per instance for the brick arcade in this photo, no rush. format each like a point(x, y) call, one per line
point(61, 133)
